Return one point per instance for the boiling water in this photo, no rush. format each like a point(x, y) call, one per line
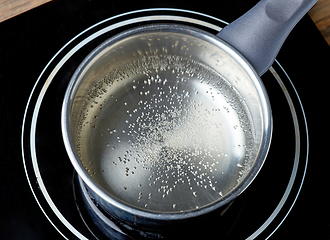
point(165, 134)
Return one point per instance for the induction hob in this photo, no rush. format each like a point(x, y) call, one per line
point(40, 50)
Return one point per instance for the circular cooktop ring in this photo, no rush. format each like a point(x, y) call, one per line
point(36, 107)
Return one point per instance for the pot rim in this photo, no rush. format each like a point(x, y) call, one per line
point(163, 216)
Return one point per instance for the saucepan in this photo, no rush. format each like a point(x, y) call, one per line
point(166, 123)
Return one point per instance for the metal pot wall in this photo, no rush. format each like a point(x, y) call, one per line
point(166, 122)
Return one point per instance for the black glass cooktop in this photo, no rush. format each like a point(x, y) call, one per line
point(40, 50)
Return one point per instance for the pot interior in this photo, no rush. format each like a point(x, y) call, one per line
point(166, 119)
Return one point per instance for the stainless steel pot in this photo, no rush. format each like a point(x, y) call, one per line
point(166, 123)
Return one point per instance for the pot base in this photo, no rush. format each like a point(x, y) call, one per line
point(114, 228)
